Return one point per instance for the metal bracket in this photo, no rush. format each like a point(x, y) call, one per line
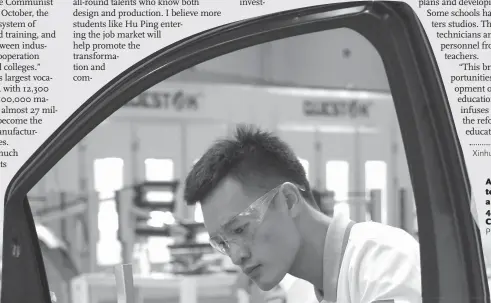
point(124, 283)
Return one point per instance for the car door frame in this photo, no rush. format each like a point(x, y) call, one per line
point(452, 259)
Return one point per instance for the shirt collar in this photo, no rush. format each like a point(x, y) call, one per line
point(334, 247)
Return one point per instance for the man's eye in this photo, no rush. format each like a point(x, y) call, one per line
point(222, 244)
point(240, 230)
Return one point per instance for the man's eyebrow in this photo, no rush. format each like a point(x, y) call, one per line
point(230, 221)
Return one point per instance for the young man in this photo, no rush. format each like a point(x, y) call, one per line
point(259, 210)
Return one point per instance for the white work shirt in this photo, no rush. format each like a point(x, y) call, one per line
point(369, 262)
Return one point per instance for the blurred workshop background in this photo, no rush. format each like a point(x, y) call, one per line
point(117, 196)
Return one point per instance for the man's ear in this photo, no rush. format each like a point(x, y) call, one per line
point(292, 196)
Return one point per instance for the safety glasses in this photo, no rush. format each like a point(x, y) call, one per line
point(240, 229)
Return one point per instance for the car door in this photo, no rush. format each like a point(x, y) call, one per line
point(452, 259)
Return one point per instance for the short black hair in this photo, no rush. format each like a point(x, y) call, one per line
point(254, 157)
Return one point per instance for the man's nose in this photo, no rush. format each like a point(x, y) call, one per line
point(239, 254)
